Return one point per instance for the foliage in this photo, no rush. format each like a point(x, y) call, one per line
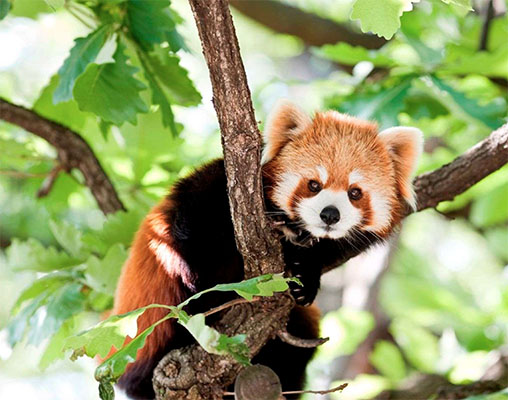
point(117, 331)
point(122, 86)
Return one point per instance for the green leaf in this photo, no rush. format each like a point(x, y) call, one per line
point(419, 345)
point(491, 208)
point(174, 78)
point(99, 339)
point(83, 53)
point(111, 91)
point(65, 303)
point(5, 6)
point(463, 106)
point(65, 112)
point(68, 236)
point(159, 98)
point(380, 17)
point(53, 350)
point(263, 285)
point(47, 284)
point(149, 21)
point(234, 346)
point(461, 60)
point(207, 337)
point(383, 106)
point(29, 8)
point(32, 255)
point(113, 367)
point(102, 275)
point(345, 53)
point(462, 3)
point(214, 342)
point(387, 359)
point(18, 325)
point(119, 228)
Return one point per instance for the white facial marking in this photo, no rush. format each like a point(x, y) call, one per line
point(380, 210)
point(310, 208)
point(285, 189)
point(355, 176)
point(323, 174)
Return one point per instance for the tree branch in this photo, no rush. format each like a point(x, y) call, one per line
point(73, 152)
point(312, 29)
point(466, 170)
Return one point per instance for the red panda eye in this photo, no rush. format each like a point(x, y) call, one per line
point(314, 186)
point(355, 194)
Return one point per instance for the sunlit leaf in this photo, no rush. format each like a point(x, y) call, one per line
point(119, 228)
point(387, 359)
point(419, 345)
point(32, 255)
point(68, 236)
point(380, 17)
point(99, 339)
point(53, 351)
point(345, 53)
point(102, 275)
point(63, 304)
point(462, 3)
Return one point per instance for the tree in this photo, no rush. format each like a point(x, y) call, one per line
point(241, 141)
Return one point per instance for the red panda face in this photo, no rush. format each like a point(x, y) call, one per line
point(336, 175)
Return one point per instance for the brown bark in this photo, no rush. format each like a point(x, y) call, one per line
point(312, 29)
point(241, 139)
point(471, 167)
point(73, 152)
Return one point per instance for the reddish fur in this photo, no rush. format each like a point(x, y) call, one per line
point(152, 274)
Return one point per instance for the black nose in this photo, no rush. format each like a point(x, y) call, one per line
point(330, 215)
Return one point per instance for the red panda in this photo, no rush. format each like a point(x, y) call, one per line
point(333, 182)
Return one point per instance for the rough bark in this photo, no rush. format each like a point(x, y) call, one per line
point(311, 29)
point(73, 152)
point(241, 139)
point(471, 167)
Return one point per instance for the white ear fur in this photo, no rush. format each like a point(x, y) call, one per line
point(285, 121)
point(405, 145)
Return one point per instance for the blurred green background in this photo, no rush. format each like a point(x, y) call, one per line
point(434, 300)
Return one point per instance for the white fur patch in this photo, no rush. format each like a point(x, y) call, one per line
point(323, 174)
point(381, 211)
point(285, 189)
point(355, 176)
point(310, 208)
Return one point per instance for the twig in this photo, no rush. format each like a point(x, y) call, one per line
point(489, 15)
point(73, 152)
point(21, 174)
point(335, 389)
point(48, 183)
point(286, 337)
point(230, 304)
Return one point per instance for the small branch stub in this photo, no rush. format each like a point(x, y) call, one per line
point(257, 382)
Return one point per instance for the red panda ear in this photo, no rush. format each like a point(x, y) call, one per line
point(284, 122)
point(405, 145)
